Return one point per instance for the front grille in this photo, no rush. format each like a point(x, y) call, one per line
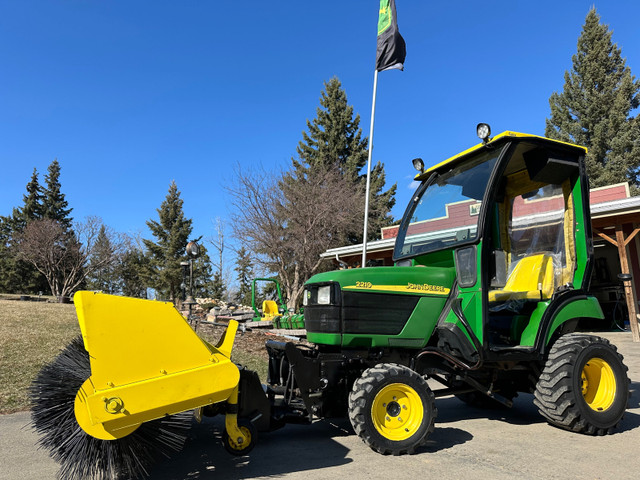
point(358, 312)
point(376, 313)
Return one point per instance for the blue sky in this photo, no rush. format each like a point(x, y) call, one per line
point(130, 95)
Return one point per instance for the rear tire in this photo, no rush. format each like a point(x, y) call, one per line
point(392, 409)
point(584, 386)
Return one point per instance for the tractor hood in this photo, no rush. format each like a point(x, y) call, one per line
point(377, 306)
point(394, 280)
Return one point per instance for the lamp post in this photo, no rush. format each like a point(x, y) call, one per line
point(183, 285)
point(193, 250)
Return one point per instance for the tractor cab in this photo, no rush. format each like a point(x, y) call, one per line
point(511, 217)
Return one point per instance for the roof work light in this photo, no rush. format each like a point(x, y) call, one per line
point(418, 164)
point(484, 132)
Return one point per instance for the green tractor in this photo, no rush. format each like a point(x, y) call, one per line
point(274, 311)
point(493, 258)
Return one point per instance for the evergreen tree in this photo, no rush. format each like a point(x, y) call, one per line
point(132, 272)
point(7, 258)
point(171, 232)
point(244, 268)
point(202, 274)
point(334, 142)
point(16, 275)
point(54, 205)
point(104, 265)
point(218, 289)
point(594, 108)
point(32, 208)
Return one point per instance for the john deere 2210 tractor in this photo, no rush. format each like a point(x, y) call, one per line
point(492, 264)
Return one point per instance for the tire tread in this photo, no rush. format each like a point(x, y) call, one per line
point(555, 394)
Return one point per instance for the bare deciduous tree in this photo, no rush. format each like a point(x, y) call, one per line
point(220, 276)
point(63, 257)
point(289, 223)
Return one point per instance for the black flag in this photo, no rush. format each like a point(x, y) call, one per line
point(391, 47)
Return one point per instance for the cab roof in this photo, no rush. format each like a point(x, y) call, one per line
point(497, 139)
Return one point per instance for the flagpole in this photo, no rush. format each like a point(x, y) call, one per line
point(366, 198)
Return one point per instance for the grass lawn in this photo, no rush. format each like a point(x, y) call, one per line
point(33, 333)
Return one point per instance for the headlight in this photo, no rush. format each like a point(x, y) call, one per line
point(324, 295)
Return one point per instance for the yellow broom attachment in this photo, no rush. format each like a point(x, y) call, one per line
point(146, 363)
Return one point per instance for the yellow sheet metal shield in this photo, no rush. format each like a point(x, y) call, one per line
point(146, 362)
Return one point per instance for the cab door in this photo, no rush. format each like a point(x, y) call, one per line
point(530, 242)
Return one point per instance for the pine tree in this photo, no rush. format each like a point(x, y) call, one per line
point(32, 208)
point(244, 268)
point(334, 142)
point(218, 289)
point(594, 108)
point(16, 275)
point(202, 274)
point(171, 232)
point(7, 258)
point(132, 272)
point(104, 265)
point(54, 205)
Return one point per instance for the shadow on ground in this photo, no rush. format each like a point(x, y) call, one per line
point(631, 420)
point(523, 412)
point(634, 390)
point(295, 448)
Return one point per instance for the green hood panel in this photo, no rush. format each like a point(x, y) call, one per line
point(435, 281)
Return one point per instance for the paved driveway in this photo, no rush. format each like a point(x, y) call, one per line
point(467, 443)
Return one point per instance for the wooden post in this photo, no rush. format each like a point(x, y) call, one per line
point(629, 292)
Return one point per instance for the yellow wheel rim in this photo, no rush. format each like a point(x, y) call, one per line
point(598, 384)
point(397, 412)
point(239, 447)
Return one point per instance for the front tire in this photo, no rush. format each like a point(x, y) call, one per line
point(584, 386)
point(392, 409)
point(249, 431)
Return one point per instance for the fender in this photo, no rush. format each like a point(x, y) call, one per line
point(571, 305)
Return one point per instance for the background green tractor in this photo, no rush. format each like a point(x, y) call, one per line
point(492, 265)
point(274, 311)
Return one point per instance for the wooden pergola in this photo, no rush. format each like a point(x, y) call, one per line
point(626, 229)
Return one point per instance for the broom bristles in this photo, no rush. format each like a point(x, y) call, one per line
point(80, 455)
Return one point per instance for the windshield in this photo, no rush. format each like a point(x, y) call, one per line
point(446, 212)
